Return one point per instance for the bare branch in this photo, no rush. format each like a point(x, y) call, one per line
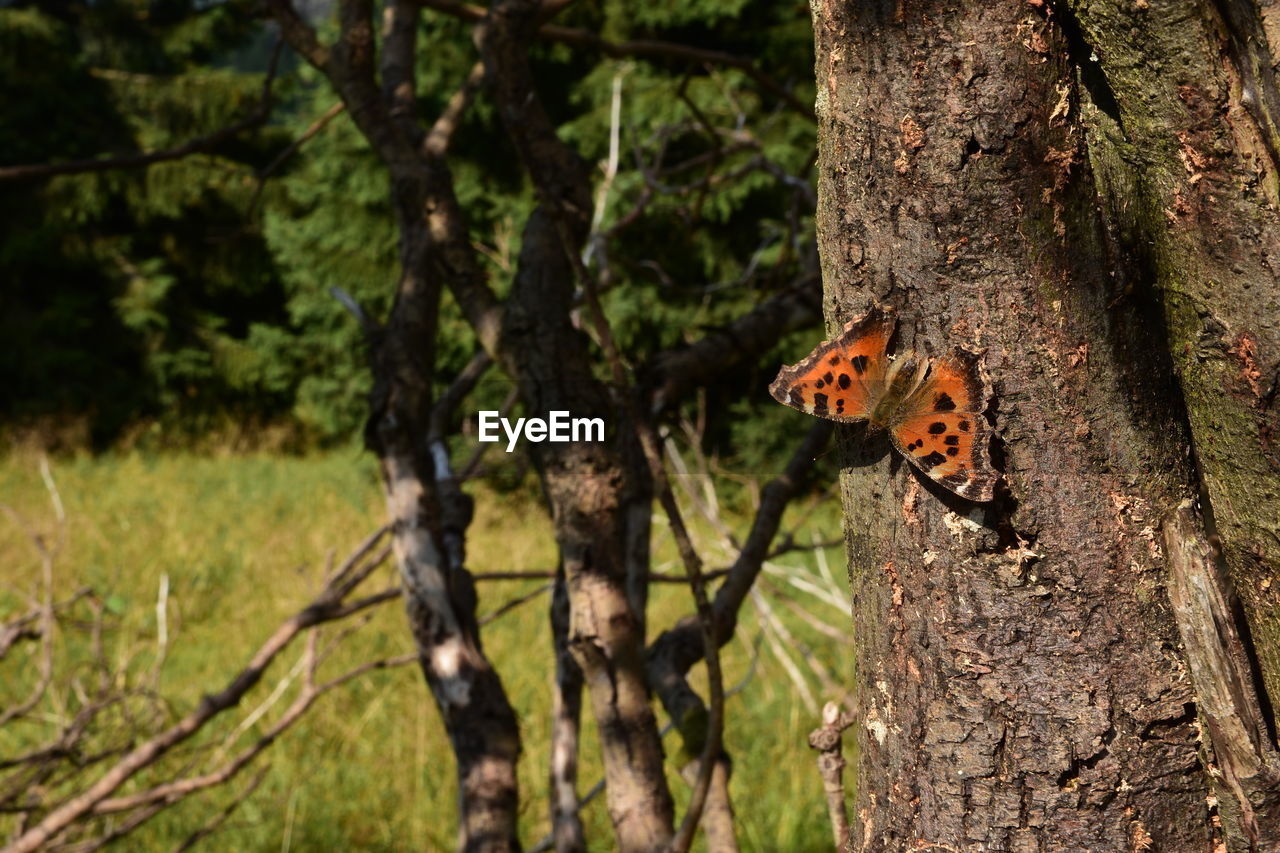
point(462, 385)
point(292, 148)
point(508, 606)
point(301, 37)
point(672, 373)
point(438, 138)
point(45, 611)
point(220, 818)
point(172, 792)
point(324, 608)
point(676, 650)
point(827, 741)
point(368, 325)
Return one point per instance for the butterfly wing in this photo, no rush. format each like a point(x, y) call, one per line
point(844, 377)
point(940, 426)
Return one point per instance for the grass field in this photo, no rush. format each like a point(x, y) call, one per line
point(243, 541)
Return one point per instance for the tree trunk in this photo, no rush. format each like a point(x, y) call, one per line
point(427, 511)
point(429, 516)
point(1018, 666)
point(596, 498)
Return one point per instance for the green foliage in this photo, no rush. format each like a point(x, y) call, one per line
point(121, 288)
point(181, 294)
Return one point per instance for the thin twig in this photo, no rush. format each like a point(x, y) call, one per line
point(292, 148)
point(220, 818)
point(436, 143)
point(514, 603)
point(93, 799)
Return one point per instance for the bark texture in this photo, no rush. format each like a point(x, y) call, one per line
point(1019, 675)
point(427, 511)
point(592, 491)
point(1187, 154)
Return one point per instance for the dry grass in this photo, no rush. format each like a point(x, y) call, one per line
point(243, 541)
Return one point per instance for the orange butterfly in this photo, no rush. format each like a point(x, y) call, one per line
point(933, 410)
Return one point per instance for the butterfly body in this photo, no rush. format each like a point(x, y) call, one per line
point(932, 410)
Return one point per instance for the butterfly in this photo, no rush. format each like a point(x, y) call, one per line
point(931, 409)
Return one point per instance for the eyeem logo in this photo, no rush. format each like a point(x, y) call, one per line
point(559, 427)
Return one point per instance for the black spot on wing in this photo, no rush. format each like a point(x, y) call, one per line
point(828, 378)
point(937, 428)
point(951, 440)
point(859, 363)
point(819, 403)
point(964, 425)
point(944, 403)
point(834, 360)
point(952, 451)
point(796, 398)
point(844, 381)
point(934, 458)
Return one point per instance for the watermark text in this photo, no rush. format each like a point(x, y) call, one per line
point(559, 427)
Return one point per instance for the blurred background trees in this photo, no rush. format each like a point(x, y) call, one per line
point(190, 298)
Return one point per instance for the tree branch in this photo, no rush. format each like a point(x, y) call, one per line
point(326, 607)
point(675, 651)
point(641, 48)
point(672, 373)
point(198, 145)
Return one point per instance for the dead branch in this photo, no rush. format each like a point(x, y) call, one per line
point(678, 649)
point(508, 606)
point(462, 385)
point(45, 614)
point(171, 792)
point(328, 606)
point(292, 148)
point(371, 328)
point(438, 138)
point(827, 741)
point(220, 818)
point(298, 33)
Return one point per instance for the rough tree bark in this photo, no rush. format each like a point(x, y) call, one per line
point(590, 487)
point(1020, 669)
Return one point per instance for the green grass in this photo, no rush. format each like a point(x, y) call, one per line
point(243, 541)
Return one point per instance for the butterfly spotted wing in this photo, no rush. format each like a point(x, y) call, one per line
point(844, 377)
point(939, 426)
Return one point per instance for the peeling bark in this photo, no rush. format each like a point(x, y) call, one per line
point(427, 511)
point(1228, 702)
point(429, 515)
